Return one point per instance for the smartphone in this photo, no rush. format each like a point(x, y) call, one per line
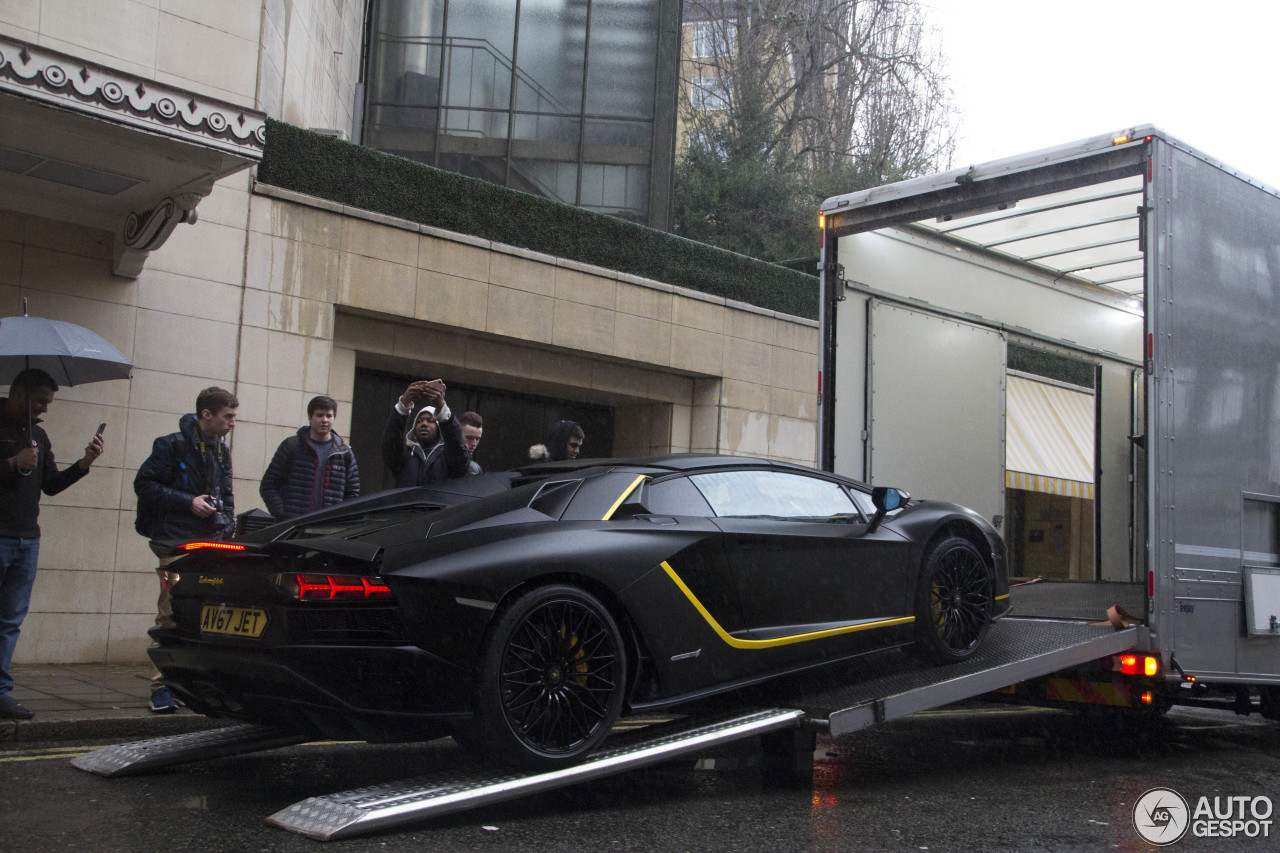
point(101, 427)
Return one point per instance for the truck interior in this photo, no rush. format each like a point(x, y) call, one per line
point(1074, 496)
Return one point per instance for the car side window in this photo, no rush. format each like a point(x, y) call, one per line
point(864, 502)
point(676, 496)
point(778, 495)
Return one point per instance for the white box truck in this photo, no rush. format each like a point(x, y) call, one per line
point(1082, 343)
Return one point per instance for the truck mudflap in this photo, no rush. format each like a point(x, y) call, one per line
point(364, 810)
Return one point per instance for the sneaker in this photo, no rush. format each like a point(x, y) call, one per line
point(11, 710)
point(162, 701)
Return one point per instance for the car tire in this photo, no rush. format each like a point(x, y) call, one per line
point(551, 680)
point(954, 601)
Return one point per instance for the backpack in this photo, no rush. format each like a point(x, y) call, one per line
point(147, 516)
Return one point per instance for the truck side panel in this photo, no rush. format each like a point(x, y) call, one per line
point(1214, 306)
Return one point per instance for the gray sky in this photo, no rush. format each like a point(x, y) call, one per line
point(1031, 74)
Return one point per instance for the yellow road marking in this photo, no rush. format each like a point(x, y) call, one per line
point(46, 754)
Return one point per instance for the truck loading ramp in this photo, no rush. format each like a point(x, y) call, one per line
point(893, 684)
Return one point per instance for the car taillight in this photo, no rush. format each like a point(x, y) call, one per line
point(221, 546)
point(1134, 664)
point(337, 588)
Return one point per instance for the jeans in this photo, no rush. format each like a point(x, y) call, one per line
point(17, 575)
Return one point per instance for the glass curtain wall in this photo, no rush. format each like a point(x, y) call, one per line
point(560, 98)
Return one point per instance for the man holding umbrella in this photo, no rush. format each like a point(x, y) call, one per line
point(27, 468)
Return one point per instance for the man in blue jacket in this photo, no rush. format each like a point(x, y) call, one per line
point(312, 469)
point(184, 492)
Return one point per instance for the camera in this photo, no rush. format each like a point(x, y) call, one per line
point(218, 520)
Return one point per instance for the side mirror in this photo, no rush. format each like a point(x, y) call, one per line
point(886, 500)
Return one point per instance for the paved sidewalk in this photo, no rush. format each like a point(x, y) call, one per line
point(91, 700)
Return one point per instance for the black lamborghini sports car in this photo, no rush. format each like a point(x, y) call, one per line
point(524, 612)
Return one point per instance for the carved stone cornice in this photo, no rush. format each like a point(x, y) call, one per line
point(68, 81)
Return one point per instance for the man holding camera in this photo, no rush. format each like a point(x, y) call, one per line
point(184, 493)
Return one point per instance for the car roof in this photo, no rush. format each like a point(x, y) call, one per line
point(670, 462)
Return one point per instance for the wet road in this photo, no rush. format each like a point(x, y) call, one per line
point(958, 779)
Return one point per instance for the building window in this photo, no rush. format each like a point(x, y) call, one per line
point(702, 140)
point(709, 93)
point(713, 38)
point(554, 97)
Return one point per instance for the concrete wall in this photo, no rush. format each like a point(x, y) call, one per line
point(687, 371)
point(279, 297)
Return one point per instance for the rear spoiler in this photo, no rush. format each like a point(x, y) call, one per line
point(355, 549)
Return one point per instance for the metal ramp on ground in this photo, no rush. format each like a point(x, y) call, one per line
point(365, 810)
point(144, 756)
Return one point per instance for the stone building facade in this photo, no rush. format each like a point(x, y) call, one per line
point(280, 296)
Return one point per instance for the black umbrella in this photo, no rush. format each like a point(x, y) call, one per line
point(71, 354)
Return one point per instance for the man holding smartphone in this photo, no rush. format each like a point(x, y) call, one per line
point(27, 469)
point(184, 492)
point(428, 448)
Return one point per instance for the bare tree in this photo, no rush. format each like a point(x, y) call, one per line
point(824, 91)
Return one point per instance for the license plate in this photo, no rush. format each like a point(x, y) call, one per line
point(233, 621)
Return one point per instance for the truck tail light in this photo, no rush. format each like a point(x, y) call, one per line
point(335, 588)
point(1135, 664)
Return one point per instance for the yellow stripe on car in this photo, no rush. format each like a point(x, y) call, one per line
point(778, 641)
point(622, 497)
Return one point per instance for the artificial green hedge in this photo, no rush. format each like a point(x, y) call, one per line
point(325, 167)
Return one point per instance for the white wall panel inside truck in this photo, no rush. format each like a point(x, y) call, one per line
point(851, 387)
point(936, 425)
point(916, 265)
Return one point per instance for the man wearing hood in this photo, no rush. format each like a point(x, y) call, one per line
point(564, 443)
point(428, 448)
point(312, 469)
point(184, 492)
point(27, 469)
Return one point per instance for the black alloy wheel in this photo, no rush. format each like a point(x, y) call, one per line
point(954, 601)
point(552, 678)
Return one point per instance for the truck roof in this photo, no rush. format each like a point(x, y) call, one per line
point(1071, 211)
point(1020, 163)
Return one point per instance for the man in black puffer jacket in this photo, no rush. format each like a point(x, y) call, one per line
point(184, 492)
point(313, 469)
point(184, 486)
